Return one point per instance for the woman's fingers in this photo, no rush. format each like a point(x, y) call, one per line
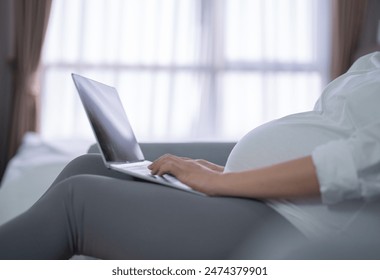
point(167, 167)
point(190, 172)
point(165, 164)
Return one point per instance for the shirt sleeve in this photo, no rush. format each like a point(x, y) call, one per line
point(350, 168)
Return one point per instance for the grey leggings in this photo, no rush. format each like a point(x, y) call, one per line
point(97, 212)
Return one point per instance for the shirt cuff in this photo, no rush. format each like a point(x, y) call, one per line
point(336, 172)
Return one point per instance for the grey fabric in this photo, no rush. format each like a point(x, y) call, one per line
point(97, 212)
point(216, 152)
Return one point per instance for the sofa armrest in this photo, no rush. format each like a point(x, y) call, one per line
point(216, 152)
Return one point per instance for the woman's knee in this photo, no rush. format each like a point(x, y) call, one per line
point(92, 164)
point(85, 164)
point(71, 190)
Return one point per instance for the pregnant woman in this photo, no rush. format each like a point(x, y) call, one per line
point(303, 177)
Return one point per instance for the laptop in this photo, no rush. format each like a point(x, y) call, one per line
point(116, 140)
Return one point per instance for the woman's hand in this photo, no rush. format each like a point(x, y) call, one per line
point(200, 175)
point(205, 163)
point(210, 165)
point(291, 179)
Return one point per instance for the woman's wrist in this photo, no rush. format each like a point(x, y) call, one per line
point(223, 184)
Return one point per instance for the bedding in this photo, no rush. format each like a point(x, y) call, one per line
point(31, 171)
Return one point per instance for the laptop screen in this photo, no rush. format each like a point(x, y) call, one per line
point(108, 120)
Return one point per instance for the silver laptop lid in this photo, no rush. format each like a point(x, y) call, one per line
point(109, 121)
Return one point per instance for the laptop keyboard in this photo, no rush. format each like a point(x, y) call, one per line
point(141, 168)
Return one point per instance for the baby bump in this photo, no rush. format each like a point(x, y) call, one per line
point(281, 140)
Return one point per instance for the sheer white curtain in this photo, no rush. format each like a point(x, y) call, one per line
point(186, 69)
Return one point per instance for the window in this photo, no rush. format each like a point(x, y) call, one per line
point(185, 69)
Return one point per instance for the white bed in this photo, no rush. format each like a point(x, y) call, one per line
point(32, 170)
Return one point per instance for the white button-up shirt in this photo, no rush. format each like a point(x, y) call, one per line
point(342, 134)
point(350, 167)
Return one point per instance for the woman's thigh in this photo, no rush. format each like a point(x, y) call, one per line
point(118, 219)
point(111, 216)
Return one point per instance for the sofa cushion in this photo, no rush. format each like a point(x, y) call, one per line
point(216, 152)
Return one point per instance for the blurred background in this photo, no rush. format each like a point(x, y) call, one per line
point(185, 69)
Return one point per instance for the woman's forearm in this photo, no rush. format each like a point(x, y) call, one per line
point(291, 179)
point(295, 178)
